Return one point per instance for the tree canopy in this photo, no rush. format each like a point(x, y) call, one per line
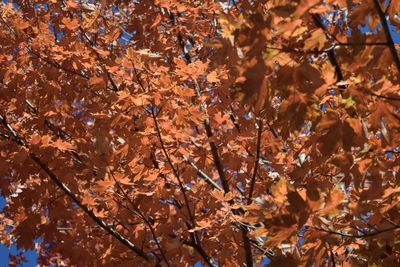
point(225, 133)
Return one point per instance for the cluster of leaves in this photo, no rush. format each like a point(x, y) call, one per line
point(224, 132)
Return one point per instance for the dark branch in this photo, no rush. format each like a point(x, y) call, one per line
point(256, 164)
point(137, 211)
point(386, 30)
point(363, 235)
point(217, 159)
point(331, 53)
point(332, 255)
point(182, 189)
point(43, 166)
point(387, 97)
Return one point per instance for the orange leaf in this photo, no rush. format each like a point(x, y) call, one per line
point(336, 197)
point(316, 41)
point(88, 200)
point(62, 145)
point(35, 139)
point(70, 24)
point(72, 4)
point(156, 21)
point(212, 77)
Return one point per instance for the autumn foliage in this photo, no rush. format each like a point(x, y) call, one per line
point(231, 133)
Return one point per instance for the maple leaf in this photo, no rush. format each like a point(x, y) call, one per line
point(88, 199)
point(220, 196)
point(89, 21)
point(201, 225)
point(212, 77)
point(21, 24)
point(35, 139)
point(305, 5)
point(104, 185)
point(220, 118)
point(229, 25)
point(336, 197)
point(97, 81)
point(121, 178)
point(71, 24)
point(62, 145)
point(280, 234)
point(328, 73)
point(280, 190)
point(157, 21)
point(317, 40)
point(381, 112)
point(130, 132)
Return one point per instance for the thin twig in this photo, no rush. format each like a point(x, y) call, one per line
point(386, 97)
point(217, 160)
point(56, 64)
point(141, 215)
point(256, 163)
point(175, 172)
point(43, 166)
point(386, 30)
point(203, 175)
point(332, 255)
point(98, 57)
point(388, 6)
point(182, 189)
point(331, 53)
point(356, 236)
point(363, 44)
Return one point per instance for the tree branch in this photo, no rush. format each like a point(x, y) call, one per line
point(388, 6)
point(386, 97)
point(205, 176)
point(56, 64)
point(216, 157)
point(386, 30)
point(137, 211)
point(332, 255)
point(43, 166)
point(163, 148)
point(331, 53)
point(182, 188)
point(256, 164)
point(356, 236)
point(363, 44)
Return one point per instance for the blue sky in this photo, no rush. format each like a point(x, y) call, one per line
point(6, 252)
